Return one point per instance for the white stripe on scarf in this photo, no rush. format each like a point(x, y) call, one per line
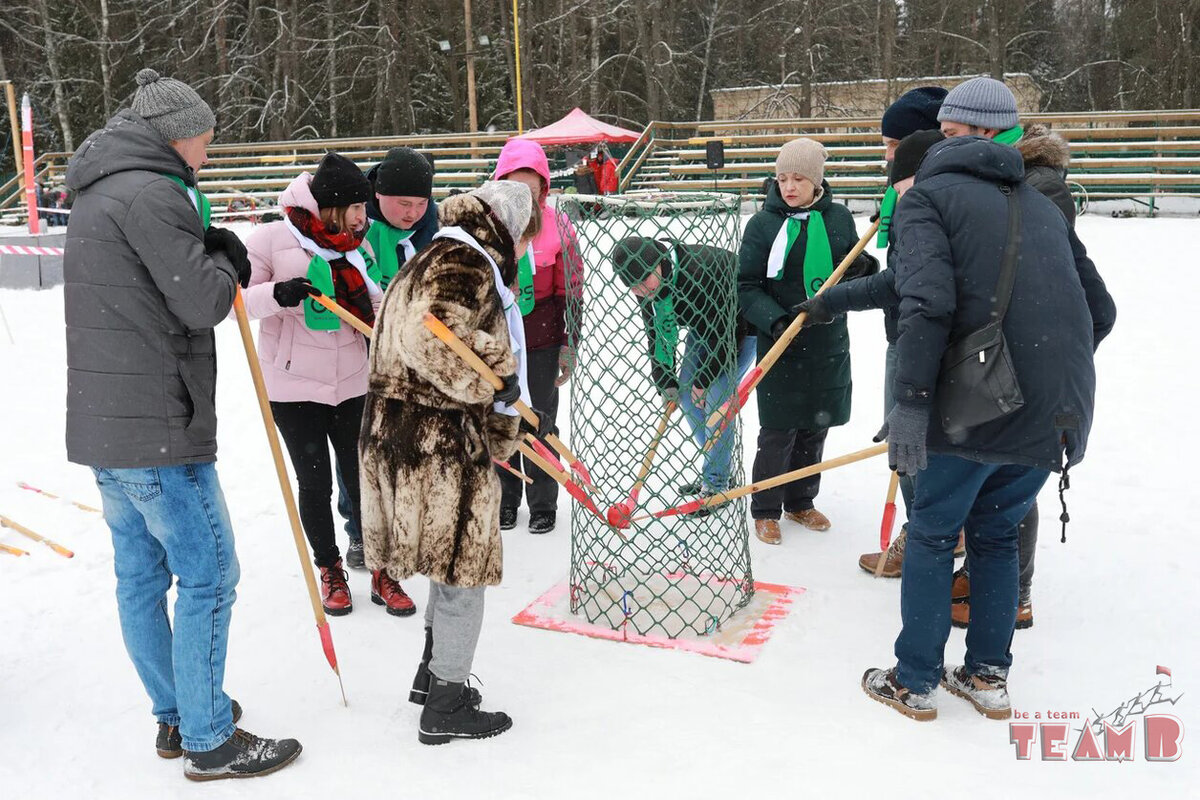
point(353, 256)
point(512, 314)
point(779, 247)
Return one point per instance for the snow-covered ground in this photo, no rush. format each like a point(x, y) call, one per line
point(608, 720)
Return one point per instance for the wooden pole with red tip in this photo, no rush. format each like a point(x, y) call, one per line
point(564, 480)
point(888, 522)
point(13, 551)
point(620, 514)
point(285, 487)
point(21, 529)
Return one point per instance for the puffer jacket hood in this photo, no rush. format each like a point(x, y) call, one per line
point(125, 143)
point(298, 194)
point(522, 154)
point(973, 155)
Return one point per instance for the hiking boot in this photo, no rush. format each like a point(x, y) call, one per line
point(960, 549)
point(881, 685)
point(420, 686)
point(894, 559)
point(988, 693)
point(508, 519)
point(541, 521)
point(169, 743)
point(243, 755)
point(810, 518)
point(335, 593)
point(960, 590)
point(389, 593)
point(960, 615)
point(689, 489)
point(355, 558)
point(448, 715)
point(767, 531)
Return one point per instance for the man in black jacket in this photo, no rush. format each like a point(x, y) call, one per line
point(951, 233)
point(147, 279)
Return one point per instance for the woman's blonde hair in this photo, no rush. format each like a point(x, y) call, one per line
point(334, 219)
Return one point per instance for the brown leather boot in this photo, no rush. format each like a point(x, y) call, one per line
point(960, 590)
point(895, 558)
point(960, 615)
point(810, 518)
point(767, 531)
point(1024, 616)
point(960, 549)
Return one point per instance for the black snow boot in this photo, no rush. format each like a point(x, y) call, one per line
point(508, 519)
point(243, 755)
point(420, 685)
point(355, 557)
point(541, 522)
point(448, 715)
point(169, 743)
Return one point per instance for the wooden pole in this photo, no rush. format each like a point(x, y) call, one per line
point(755, 376)
point(344, 315)
point(44, 493)
point(517, 48)
point(516, 472)
point(285, 488)
point(10, 95)
point(888, 522)
point(648, 461)
point(12, 551)
point(21, 529)
point(472, 110)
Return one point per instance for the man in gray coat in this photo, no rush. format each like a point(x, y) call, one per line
point(147, 279)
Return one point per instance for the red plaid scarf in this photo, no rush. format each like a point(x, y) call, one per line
point(350, 287)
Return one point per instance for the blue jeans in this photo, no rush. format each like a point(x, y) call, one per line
point(345, 509)
point(990, 500)
point(716, 462)
point(889, 402)
point(172, 521)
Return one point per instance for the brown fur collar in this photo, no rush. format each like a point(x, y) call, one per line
point(475, 217)
point(1042, 147)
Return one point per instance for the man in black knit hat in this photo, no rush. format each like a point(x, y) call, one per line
point(403, 214)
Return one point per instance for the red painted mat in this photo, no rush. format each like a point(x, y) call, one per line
point(741, 638)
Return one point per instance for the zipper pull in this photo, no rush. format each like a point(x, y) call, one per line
point(982, 357)
point(288, 365)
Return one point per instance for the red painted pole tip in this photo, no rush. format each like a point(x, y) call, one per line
point(327, 644)
point(885, 528)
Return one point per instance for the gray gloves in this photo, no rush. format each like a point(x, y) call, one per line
point(905, 431)
point(510, 392)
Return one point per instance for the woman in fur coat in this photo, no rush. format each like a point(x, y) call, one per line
point(430, 497)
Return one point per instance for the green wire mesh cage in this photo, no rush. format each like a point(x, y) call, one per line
point(654, 314)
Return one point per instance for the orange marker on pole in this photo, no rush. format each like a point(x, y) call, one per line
point(21, 529)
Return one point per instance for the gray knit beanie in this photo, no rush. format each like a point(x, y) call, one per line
point(510, 201)
point(981, 102)
point(804, 157)
point(171, 107)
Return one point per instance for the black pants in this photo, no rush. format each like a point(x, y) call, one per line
point(1027, 536)
point(542, 494)
point(780, 452)
point(308, 429)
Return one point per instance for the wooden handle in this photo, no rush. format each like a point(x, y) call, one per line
point(793, 330)
point(285, 487)
point(796, 474)
point(12, 551)
point(344, 315)
point(21, 529)
point(893, 485)
point(542, 464)
point(888, 521)
point(517, 473)
point(648, 461)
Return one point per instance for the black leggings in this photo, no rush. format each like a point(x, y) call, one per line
point(308, 429)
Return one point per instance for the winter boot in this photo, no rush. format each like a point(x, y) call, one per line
point(1024, 616)
point(881, 685)
point(448, 715)
point(689, 489)
point(541, 522)
point(335, 593)
point(810, 518)
point(960, 549)
point(355, 558)
point(508, 519)
point(243, 755)
point(895, 557)
point(420, 686)
point(389, 593)
point(169, 743)
point(960, 615)
point(988, 693)
point(960, 590)
point(767, 531)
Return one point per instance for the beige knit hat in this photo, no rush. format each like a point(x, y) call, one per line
point(804, 157)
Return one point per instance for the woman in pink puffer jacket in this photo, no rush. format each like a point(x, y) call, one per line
point(314, 365)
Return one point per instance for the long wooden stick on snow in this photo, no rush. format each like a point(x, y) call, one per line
point(44, 493)
point(285, 487)
point(21, 529)
point(12, 551)
point(732, 406)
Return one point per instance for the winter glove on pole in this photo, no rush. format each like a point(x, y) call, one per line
point(566, 364)
point(545, 424)
point(865, 264)
point(905, 431)
point(510, 392)
point(780, 326)
point(817, 309)
point(290, 294)
point(226, 240)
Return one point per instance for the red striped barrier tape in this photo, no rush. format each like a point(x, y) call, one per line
point(24, 250)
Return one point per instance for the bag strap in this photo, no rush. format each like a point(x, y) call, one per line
point(1008, 266)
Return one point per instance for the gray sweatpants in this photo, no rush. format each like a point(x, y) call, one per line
point(456, 616)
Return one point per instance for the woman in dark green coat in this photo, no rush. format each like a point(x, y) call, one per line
point(788, 251)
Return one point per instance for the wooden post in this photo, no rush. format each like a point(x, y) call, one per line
point(517, 47)
point(472, 110)
point(10, 95)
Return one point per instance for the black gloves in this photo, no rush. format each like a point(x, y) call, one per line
point(865, 264)
point(290, 294)
point(780, 325)
point(545, 424)
point(510, 392)
point(227, 241)
point(817, 310)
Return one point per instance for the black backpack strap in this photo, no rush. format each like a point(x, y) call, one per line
point(1012, 248)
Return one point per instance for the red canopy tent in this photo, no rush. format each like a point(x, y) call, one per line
point(580, 128)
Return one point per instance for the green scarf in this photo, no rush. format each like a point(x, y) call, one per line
point(1011, 136)
point(199, 201)
point(886, 209)
point(384, 239)
point(818, 255)
point(525, 270)
point(666, 326)
point(320, 275)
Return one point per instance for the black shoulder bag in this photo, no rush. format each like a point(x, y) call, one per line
point(977, 382)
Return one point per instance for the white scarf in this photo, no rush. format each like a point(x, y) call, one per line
point(353, 256)
point(512, 314)
point(779, 247)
